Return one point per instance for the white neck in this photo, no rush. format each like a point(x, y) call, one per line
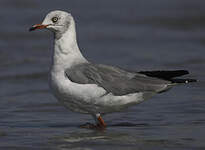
point(66, 52)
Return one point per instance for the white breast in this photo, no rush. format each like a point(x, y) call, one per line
point(74, 94)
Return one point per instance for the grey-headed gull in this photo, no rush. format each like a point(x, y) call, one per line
point(97, 89)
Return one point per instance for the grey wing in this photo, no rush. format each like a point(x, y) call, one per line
point(115, 80)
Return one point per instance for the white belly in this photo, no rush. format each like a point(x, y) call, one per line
point(90, 98)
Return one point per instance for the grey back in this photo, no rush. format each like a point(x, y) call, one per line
point(115, 80)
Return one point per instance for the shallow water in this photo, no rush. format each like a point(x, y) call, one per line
point(140, 35)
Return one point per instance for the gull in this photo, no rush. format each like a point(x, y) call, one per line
point(97, 89)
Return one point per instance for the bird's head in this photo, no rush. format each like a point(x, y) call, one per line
point(56, 21)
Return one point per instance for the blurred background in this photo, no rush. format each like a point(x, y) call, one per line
point(134, 34)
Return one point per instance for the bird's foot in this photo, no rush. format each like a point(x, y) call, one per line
point(87, 125)
point(93, 126)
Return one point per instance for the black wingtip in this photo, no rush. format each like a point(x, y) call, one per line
point(183, 80)
point(167, 74)
point(182, 72)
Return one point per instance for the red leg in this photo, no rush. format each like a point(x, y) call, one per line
point(101, 122)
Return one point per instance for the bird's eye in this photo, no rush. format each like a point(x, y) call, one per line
point(55, 19)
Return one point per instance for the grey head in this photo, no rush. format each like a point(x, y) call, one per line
point(56, 21)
